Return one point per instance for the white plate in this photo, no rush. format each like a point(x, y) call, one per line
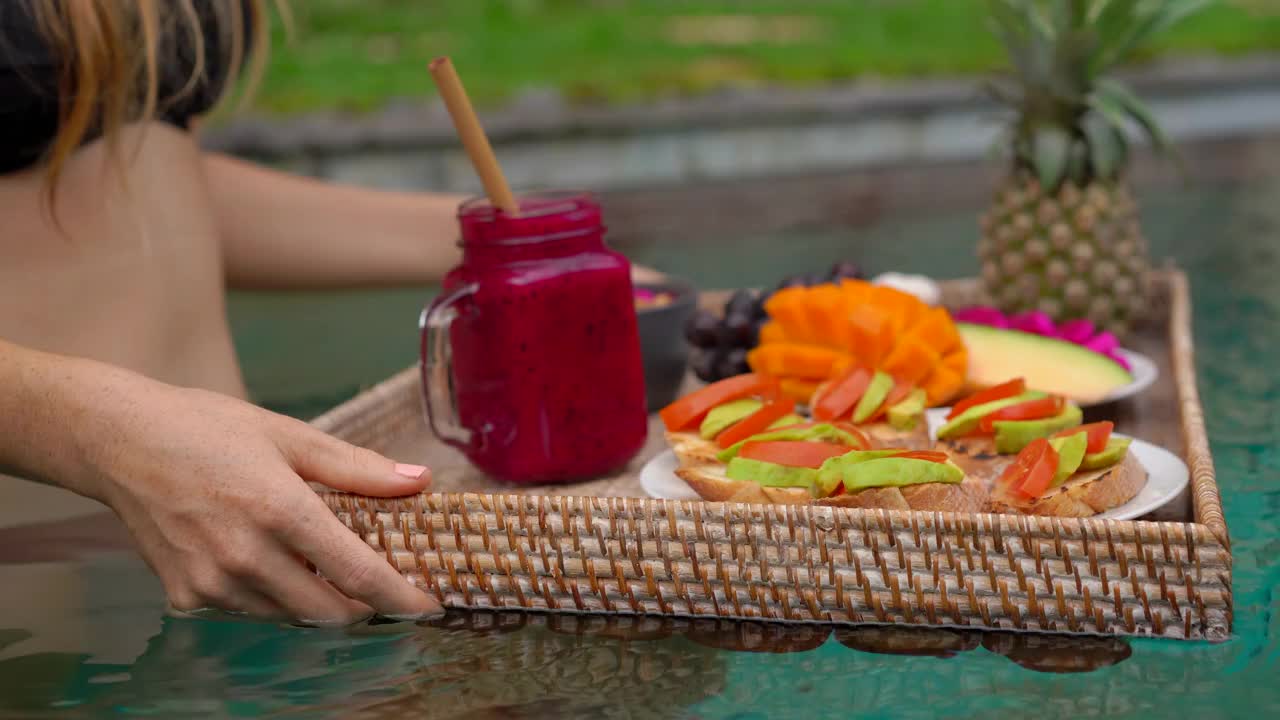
point(1144, 372)
point(1167, 476)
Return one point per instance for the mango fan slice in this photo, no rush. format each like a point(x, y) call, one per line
point(817, 333)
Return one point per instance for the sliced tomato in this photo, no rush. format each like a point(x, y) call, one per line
point(793, 453)
point(839, 489)
point(1031, 472)
point(930, 455)
point(757, 422)
point(1099, 434)
point(691, 408)
point(901, 389)
point(839, 400)
point(1030, 410)
point(1014, 387)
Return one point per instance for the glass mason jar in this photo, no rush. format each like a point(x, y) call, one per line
point(530, 357)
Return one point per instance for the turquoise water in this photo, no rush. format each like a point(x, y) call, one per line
point(94, 642)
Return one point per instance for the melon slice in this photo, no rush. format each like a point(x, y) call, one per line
point(1048, 364)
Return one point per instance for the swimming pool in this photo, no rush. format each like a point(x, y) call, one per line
point(96, 642)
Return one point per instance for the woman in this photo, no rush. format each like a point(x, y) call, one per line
point(119, 375)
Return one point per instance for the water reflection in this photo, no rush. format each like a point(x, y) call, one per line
point(469, 665)
point(928, 642)
point(1058, 654)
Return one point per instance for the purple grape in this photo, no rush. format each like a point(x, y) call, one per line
point(733, 363)
point(845, 270)
point(704, 363)
point(740, 303)
point(790, 281)
point(703, 329)
point(758, 312)
point(739, 331)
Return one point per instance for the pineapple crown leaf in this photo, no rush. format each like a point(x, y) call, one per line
point(1121, 102)
point(1051, 149)
point(1124, 25)
point(1061, 51)
point(1107, 147)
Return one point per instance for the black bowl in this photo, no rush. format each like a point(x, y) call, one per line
point(666, 352)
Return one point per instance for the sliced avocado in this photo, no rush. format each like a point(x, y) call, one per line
point(819, 432)
point(771, 474)
point(1108, 456)
point(891, 472)
point(967, 421)
point(833, 470)
point(907, 413)
point(784, 422)
point(1013, 435)
point(879, 389)
point(721, 417)
point(1070, 454)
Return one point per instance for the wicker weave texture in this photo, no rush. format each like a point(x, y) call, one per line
point(803, 564)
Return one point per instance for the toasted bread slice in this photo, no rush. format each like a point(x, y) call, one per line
point(691, 450)
point(1087, 493)
point(978, 458)
point(711, 484)
point(968, 496)
point(884, 435)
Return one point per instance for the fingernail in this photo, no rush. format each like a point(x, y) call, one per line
point(410, 471)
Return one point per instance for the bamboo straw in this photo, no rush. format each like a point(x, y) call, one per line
point(472, 135)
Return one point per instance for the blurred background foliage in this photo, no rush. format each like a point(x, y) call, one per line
point(359, 55)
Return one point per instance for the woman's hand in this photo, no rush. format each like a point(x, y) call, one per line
point(213, 489)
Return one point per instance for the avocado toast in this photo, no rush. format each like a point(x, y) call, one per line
point(888, 411)
point(782, 472)
point(738, 439)
point(1078, 472)
point(984, 431)
point(727, 412)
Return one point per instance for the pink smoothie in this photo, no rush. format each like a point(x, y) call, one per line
point(547, 372)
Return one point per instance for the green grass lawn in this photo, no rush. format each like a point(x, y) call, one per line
point(359, 54)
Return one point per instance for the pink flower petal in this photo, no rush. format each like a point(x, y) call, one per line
point(1103, 342)
point(1076, 331)
point(981, 315)
point(1033, 322)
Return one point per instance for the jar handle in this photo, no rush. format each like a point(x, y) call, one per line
point(436, 365)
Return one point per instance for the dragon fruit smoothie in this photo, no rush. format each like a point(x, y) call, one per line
point(546, 363)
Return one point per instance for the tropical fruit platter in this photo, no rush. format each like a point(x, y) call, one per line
point(842, 380)
point(852, 452)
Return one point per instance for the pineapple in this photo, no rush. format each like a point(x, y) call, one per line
point(1063, 235)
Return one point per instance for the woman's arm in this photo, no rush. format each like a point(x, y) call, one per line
point(213, 489)
point(283, 231)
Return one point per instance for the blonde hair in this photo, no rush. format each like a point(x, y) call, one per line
point(108, 56)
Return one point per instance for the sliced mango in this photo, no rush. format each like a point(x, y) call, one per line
point(797, 389)
point(809, 362)
point(825, 311)
point(911, 360)
point(820, 332)
point(942, 385)
point(772, 332)
point(936, 329)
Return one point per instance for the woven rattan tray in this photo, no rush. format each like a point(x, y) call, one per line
point(602, 547)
